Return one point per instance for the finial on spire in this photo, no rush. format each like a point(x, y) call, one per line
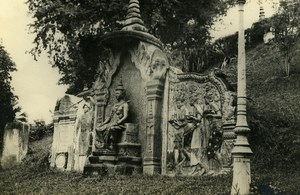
point(261, 13)
point(133, 19)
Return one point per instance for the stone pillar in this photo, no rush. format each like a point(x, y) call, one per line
point(153, 150)
point(101, 100)
point(241, 152)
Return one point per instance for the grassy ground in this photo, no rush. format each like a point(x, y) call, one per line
point(72, 183)
point(33, 176)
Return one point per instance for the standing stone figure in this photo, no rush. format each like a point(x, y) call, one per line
point(199, 139)
point(84, 134)
point(179, 122)
point(111, 128)
point(214, 116)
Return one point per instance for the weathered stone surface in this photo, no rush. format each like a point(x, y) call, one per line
point(150, 60)
point(166, 110)
point(199, 109)
point(16, 137)
point(64, 139)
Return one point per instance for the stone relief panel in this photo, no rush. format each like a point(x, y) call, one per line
point(198, 107)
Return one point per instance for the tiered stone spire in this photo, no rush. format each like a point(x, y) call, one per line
point(261, 13)
point(133, 30)
point(133, 19)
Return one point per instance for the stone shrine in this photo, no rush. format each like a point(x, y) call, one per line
point(145, 115)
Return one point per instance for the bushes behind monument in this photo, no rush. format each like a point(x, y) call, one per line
point(39, 130)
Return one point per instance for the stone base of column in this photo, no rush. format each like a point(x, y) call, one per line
point(151, 166)
point(241, 175)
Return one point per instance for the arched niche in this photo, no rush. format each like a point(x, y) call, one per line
point(135, 92)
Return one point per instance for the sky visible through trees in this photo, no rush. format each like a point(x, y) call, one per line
point(36, 82)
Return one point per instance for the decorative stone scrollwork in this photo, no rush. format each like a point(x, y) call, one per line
point(158, 67)
point(103, 81)
point(150, 60)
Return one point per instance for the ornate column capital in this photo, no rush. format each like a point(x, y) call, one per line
point(155, 89)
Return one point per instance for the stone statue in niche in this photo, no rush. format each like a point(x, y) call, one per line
point(109, 131)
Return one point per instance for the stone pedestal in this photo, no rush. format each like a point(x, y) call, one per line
point(125, 160)
point(153, 150)
point(101, 162)
point(129, 151)
point(228, 143)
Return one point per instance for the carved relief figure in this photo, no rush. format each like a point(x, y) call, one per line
point(110, 129)
point(151, 61)
point(84, 131)
point(196, 129)
point(199, 138)
point(229, 108)
point(213, 114)
point(179, 122)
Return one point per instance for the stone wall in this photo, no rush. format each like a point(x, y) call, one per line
point(16, 137)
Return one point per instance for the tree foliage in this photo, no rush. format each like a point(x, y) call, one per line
point(286, 23)
point(7, 98)
point(70, 30)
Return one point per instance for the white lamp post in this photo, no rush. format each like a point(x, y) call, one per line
point(241, 152)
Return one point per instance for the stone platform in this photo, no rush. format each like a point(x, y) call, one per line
point(106, 163)
point(126, 159)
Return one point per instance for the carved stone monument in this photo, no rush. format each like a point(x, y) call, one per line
point(149, 117)
point(16, 137)
point(137, 58)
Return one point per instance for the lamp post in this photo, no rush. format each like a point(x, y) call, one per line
point(241, 152)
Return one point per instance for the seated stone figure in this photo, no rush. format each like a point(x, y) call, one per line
point(111, 128)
